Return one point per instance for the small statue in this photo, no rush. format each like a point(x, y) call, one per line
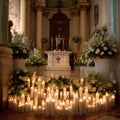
point(10, 24)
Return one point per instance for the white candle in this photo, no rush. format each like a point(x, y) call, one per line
point(28, 83)
point(97, 96)
point(71, 91)
point(34, 77)
point(52, 107)
point(107, 100)
point(113, 100)
point(86, 93)
point(82, 81)
point(81, 107)
point(32, 91)
point(47, 107)
point(36, 97)
point(23, 98)
point(39, 84)
point(80, 92)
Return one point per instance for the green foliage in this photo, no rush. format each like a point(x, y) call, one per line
point(20, 45)
point(76, 39)
point(62, 82)
point(18, 83)
point(101, 44)
point(36, 59)
point(96, 82)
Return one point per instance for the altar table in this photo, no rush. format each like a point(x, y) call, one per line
point(58, 60)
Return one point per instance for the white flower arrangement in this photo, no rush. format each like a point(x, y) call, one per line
point(102, 45)
point(18, 83)
point(20, 45)
point(84, 59)
point(96, 82)
point(36, 59)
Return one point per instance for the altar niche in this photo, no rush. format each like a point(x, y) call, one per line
point(59, 32)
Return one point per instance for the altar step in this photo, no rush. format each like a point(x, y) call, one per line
point(42, 71)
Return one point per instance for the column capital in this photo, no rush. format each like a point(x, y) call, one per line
point(75, 12)
point(84, 5)
point(39, 4)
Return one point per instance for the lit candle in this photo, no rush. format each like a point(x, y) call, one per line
point(28, 83)
point(23, 98)
point(113, 100)
point(52, 107)
point(84, 104)
point(35, 97)
point(81, 107)
point(80, 92)
point(82, 81)
point(34, 77)
point(32, 91)
point(86, 93)
point(107, 100)
point(39, 84)
point(47, 107)
point(97, 96)
point(71, 91)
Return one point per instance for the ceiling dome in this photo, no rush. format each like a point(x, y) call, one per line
point(64, 3)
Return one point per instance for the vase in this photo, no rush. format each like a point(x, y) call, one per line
point(102, 66)
point(86, 70)
point(18, 63)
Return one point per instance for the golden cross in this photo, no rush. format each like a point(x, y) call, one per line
point(58, 59)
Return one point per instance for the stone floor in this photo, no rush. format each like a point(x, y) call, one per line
point(113, 114)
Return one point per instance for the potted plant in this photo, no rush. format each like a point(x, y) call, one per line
point(102, 47)
point(20, 46)
point(76, 39)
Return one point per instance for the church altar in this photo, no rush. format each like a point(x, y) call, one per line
point(58, 60)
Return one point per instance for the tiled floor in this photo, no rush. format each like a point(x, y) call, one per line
point(113, 114)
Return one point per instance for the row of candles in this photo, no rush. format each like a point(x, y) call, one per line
point(51, 101)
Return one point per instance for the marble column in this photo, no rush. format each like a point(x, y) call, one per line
point(105, 13)
point(39, 7)
point(5, 55)
point(83, 25)
point(75, 29)
point(23, 14)
point(3, 22)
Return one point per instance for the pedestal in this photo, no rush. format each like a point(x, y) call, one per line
point(86, 70)
point(102, 66)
